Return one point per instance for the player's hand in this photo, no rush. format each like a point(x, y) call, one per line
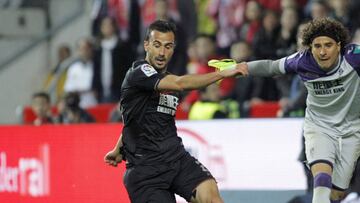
point(242, 69)
point(113, 158)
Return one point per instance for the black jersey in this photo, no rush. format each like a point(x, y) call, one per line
point(149, 133)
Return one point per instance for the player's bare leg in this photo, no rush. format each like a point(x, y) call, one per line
point(207, 192)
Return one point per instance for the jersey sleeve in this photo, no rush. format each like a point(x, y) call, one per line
point(352, 56)
point(145, 77)
point(290, 63)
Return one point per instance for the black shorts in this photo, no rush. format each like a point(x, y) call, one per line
point(159, 183)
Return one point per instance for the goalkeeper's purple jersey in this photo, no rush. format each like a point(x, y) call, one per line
point(333, 102)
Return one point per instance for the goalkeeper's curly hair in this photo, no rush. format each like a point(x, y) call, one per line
point(325, 27)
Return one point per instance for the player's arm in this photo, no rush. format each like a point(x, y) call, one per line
point(263, 68)
point(196, 81)
point(114, 156)
point(266, 68)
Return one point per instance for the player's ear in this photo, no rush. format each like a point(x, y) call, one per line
point(146, 45)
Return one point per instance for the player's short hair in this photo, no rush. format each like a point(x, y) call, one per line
point(325, 27)
point(161, 26)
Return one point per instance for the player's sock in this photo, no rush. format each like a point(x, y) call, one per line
point(322, 188)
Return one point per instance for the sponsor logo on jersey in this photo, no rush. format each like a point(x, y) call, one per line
point(148, 70)
point(328, 87)
point(168, 104)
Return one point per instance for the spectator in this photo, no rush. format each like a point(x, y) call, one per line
point(286, 45)
point(177, 64)
point(295, 107)
point(205, 23)
point(127, 15)
point(317, 9)
point(193, 58)
point(112, 59)
point(252, 22)
point(72, 112)
point(340, 12)
point(264, 40)
point(80, 74)
point(286, 38)
point(274, 5)
point(298, 5)
point(98, 11)
point(205, 49)
point(41, 106)
point(188, 18)
point(242, 51)
point(229, 16)
point(288, 4)
point(210, 105)
point(264, 88)
point(55, 80)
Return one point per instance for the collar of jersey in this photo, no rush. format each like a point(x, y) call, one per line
point(336, 68)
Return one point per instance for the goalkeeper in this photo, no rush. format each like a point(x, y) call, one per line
point(330, 70)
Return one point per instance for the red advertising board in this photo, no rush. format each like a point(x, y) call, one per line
point(59, 163)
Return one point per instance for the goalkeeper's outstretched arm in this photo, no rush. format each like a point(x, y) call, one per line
point(263, 68)
point(266, 68)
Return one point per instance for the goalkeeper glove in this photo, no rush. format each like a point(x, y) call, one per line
point(222, 64)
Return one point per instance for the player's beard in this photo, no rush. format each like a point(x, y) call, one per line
point(160, 63)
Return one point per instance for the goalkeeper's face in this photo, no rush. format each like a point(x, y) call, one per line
point(159, 49)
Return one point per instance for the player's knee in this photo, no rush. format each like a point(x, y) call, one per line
point(207, 192)
point(209, 198)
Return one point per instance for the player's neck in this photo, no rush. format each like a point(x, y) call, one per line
point(334, 66)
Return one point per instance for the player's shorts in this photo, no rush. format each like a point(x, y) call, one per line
point(158, 183)
point(341, 152)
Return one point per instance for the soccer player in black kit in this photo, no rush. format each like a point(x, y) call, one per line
point(157, 165)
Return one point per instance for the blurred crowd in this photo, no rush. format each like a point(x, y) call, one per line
point(244, 30)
